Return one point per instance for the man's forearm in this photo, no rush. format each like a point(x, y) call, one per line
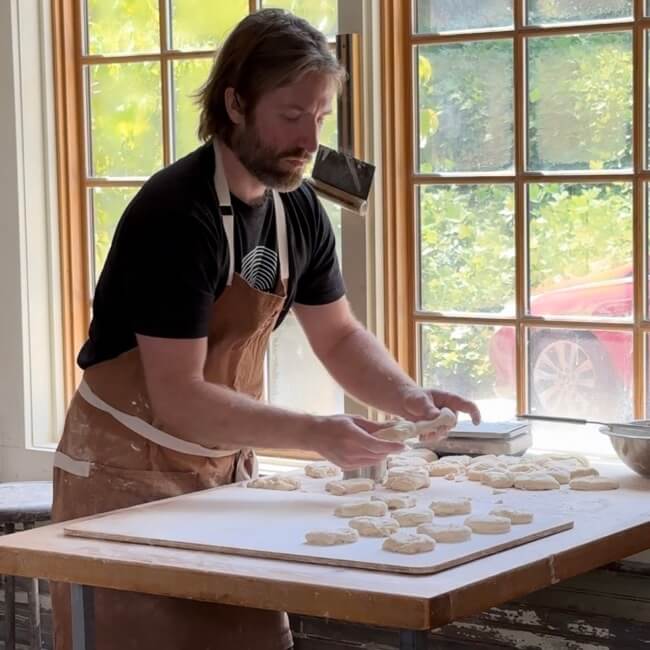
point(366, 370)
point(217, 417)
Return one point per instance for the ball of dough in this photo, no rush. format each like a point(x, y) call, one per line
point(515, 516)
point(409, 517)
point(536, 481)
point(276, 482)
point(446, 421)
point(593, 483)
point(488, 524)
point(580, 472)
point(406, 479)
point(561, 475)
point(398, 432)
point(446, 534)
point(490, 459)
point(523, 468)
point(331, 537)
point(406, 461)
point(374, 526)
point(359, 508)
point(451, 506)
point(350, 486)
point(321, 470)
point(421, 452)
point(498, 479)
point(442, 468)
point(396, 501)
point(458, 460)
point(408, 543)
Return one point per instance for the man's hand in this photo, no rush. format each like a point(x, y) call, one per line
point(348, 441)
point(425, 404)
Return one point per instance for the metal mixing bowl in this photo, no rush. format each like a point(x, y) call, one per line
point(631, 446)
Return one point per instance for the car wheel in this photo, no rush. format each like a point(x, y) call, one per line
point(572, 377)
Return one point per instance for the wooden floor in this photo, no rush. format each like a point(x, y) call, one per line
point(608, 609)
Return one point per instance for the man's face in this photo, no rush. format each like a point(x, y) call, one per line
point(278, 140)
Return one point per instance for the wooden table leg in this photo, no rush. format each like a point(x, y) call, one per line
point(83, 617)
point(413, 639)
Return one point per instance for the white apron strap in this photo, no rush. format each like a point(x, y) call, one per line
point(157, 436)
point(227, 214)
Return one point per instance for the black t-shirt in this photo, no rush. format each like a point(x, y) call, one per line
point(168, 262)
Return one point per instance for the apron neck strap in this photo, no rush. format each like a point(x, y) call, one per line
point(227, 214)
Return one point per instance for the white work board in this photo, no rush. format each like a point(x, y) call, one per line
point(237, 520)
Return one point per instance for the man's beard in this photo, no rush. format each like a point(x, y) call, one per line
point(263, 161)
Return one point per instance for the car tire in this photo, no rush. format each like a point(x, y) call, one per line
point(572, 377)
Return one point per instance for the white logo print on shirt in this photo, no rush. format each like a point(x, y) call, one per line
point(259, 267)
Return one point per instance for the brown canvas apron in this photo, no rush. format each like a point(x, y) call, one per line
point(113, 454)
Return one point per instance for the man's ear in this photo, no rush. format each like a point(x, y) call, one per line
point(234, 106)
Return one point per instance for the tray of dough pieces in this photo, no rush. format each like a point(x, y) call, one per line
point(272, 524)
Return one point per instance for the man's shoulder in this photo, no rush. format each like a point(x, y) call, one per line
point(179, 187)
point(304, 202)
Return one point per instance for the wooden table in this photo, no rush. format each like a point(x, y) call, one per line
point(608, 526)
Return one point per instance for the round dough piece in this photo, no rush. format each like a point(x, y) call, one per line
point(491, 459)
point(275, 482)
point(442, 468)
point(488, 524)
point(554, 457)
point(594, 483)
point(374, 526)
point(331, 537)
point(523, 468)
point(561, 475)
point(498, 479)
point(410, 517)
point(408, 543)
point(457, 460)
point(444, 423)
point(581, 472)
point(359, 508)
point(321, 470)
point(350, 486)
point(398, 432)
point(421, 452)
point(515, 516)
point(536, 481)
point(406, 461)
point(446, 534)
point(451, 506)
point(406, 479)
point(396, 501)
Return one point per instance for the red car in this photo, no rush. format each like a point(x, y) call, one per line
point(574, 373)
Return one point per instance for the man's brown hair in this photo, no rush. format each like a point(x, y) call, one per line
point(268, 49)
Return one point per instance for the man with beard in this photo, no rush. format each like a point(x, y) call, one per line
point(205, 262)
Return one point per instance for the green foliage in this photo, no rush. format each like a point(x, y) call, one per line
point(433, 16)
point(557, 11)
point(322, 14)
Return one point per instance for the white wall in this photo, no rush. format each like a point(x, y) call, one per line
point(30, 355)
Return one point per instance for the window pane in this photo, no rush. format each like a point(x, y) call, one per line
point(580, 374)
point(106, 206)
point(559, 11)
point(187, 77)
point(200, 25)
point(436, 16)
point(465, 114)
point(322, 14)
point(580, 102)
point(122, 26)
point(476, 361)
point(467, 256)
point(297, 379)
point(125, 119)
point(580, 249)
